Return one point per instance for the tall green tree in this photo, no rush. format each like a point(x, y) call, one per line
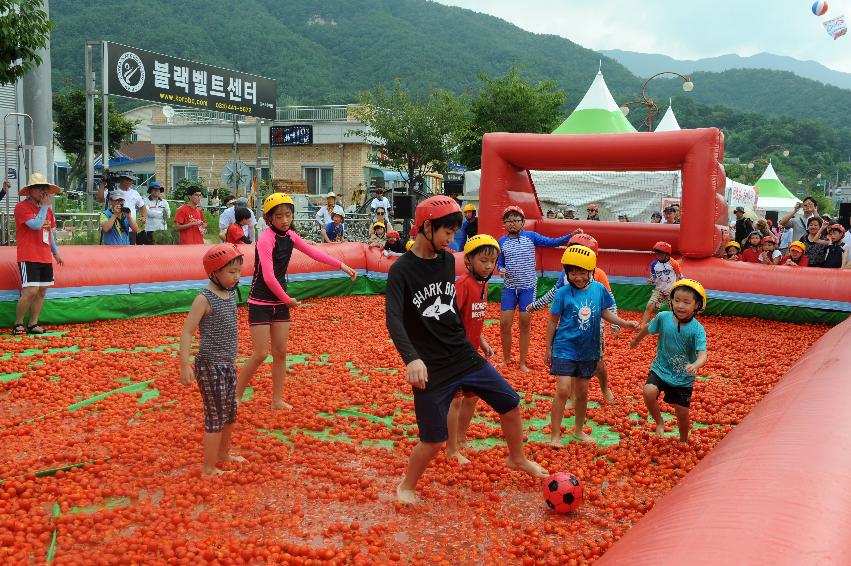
point(69, 114)
point(413, 135)
point(24, 29)
point(510, 104)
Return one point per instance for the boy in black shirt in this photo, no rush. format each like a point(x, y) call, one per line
point(426, 329)
point(835, 253)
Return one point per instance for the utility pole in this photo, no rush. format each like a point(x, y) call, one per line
point(38, 103)
point(90, 128)
point(105, 113)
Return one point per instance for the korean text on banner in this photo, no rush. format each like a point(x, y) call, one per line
point(145, 75)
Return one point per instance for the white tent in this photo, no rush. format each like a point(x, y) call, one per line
point(669, 121)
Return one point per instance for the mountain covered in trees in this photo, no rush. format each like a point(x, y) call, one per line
point(329, 51)
point(326, 51)
point(646, 64)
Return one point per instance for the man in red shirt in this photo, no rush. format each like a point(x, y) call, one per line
point(36, 239)
point(189, 220)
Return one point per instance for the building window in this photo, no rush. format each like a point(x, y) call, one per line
point(180, 172)
point(264, 172)
point(134, 136)
point(320, 180)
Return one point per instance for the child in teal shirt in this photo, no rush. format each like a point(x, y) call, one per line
point(680, 352)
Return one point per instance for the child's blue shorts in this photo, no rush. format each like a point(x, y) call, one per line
point(512, 298)
point(572, 368)
point(432, 405)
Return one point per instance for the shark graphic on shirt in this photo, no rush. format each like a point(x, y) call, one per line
point(436, 309)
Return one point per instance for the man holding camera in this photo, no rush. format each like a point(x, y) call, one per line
point(132, 199)
point(117, 222)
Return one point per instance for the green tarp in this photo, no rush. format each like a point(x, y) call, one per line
point(109, 307)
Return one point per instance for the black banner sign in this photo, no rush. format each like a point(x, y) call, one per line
point(145, 75)
point(281, 136)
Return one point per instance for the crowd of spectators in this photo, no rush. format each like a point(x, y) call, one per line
point(803, 238)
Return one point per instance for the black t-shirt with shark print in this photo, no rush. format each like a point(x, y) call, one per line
point(423, 320)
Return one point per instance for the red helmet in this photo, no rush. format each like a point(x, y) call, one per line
point(839, 227)
point(219, 256)
point(663, 247)
point(435, 207)
point(769, 239)
point(593, 206)
point(586, 240)
point(513, 210)
point(393, 234)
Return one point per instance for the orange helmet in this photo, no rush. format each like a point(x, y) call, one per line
point(219, 256)
point(663, 247)
point(433, 208)
point(513, 209)
point(586, 240)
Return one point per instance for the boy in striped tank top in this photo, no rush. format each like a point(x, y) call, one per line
point(516, 265)
point(214, 312)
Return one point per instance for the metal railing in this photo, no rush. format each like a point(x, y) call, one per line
point(331, 113)
point(191, 116)
point(335, 113)
point(357, 227)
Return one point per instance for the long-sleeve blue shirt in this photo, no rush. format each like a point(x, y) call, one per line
point(517, 257)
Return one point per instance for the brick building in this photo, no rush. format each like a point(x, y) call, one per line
point(194, 144)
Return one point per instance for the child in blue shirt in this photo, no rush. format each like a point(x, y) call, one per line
point(680, 352)
point(516, 264)
point(333, 231)
point(573, 336)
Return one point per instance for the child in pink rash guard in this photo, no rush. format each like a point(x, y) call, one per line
point(268, 303)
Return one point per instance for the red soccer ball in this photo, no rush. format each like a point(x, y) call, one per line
point(563, 492)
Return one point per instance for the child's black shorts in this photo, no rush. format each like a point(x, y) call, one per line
point(673, 395)
point(267, 314)
point(432, 405)
point(572, 368)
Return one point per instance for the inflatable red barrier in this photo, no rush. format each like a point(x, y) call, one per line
point(111, 265)
point(508, 158)
point(615, 235)
point(775, 490)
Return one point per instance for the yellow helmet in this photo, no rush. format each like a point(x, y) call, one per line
point(478, 241)
point(408, 245)
point(695, 286)
point(733, 243)
point(378, 225)
point(469, 208)
point(798, 245)
point(580, 256)
point(275, 199)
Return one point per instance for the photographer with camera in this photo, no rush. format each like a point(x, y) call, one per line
point(117, 222)
point(122, 184)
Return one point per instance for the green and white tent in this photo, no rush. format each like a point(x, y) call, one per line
point(773, 194)
point(596, 113)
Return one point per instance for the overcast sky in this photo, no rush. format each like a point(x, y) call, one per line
point(692, 29)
